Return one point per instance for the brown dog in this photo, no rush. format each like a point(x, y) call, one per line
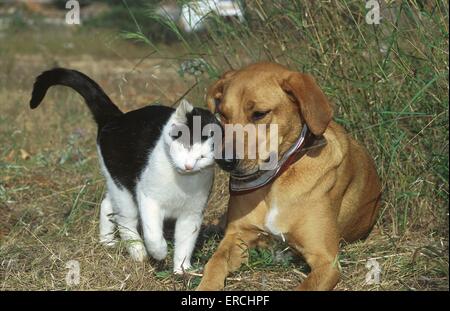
point(331, 194)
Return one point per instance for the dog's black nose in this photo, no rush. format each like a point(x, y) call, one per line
point(227, 164)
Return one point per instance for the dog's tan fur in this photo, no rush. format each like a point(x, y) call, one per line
point(329, 195)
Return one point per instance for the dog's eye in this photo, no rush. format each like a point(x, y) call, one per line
point(217, 102)
point(258, 115)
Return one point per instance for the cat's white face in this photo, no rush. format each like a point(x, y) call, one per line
point(187, 157)
point(193, 158)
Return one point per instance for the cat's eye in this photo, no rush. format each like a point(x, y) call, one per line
point(175, 132)
point(258, 115)
point(208, 134)
point(175, 135)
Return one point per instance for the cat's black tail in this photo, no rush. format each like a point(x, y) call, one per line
point(102, 108)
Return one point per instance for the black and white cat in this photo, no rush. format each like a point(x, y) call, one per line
point(151, 174)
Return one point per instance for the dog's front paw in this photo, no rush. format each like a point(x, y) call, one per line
point(157, 249)
point(209, 285)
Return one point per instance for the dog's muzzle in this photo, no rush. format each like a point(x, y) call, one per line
point(241, 183)
point(228, 165)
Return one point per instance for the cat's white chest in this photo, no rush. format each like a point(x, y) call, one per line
point(173, 191)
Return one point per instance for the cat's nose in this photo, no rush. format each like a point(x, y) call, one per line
point(188, 167)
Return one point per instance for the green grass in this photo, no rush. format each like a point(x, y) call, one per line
point(395, 102)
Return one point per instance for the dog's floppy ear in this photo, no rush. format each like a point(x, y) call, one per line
point(313, 104)
point(215, 91)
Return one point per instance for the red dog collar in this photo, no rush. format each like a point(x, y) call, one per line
point(242, 184)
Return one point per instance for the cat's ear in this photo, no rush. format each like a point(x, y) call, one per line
point(184, 108)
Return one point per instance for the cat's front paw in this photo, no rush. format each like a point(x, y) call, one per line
point(181, 268)
point(108, 240)
point(157, 249)
point(137, 251)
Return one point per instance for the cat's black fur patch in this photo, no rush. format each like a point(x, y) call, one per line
point(206, 118)
point(127, 141)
